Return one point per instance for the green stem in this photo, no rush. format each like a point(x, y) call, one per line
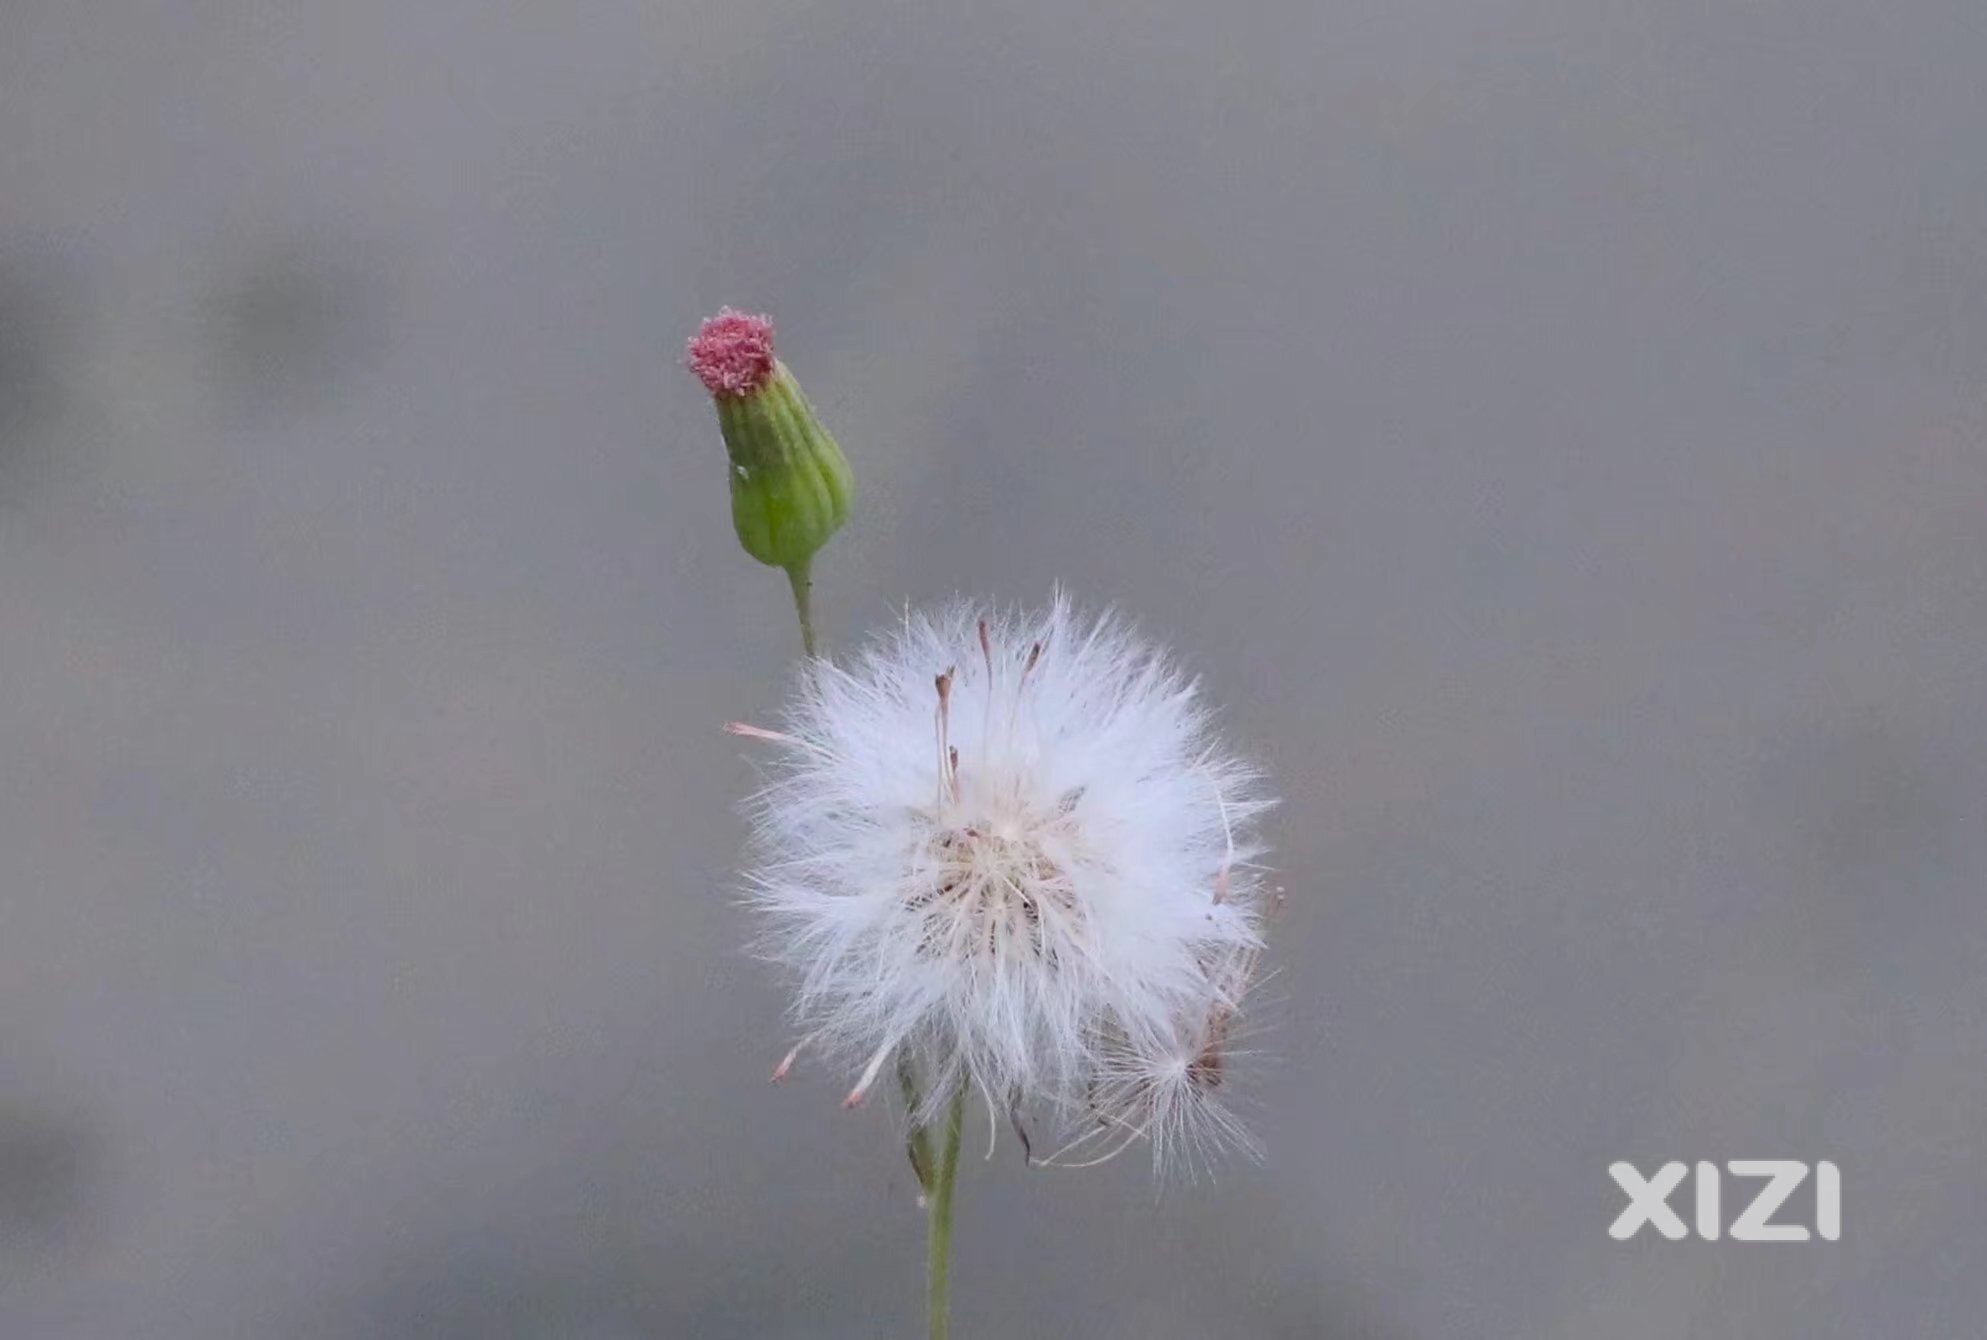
point(802, 581)
point(939, 1241)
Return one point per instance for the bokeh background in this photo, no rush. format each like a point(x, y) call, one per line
point(1557, 430)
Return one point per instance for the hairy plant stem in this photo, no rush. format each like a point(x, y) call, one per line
point(938, 1208)
point(801, 578)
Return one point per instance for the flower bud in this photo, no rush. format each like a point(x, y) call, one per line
point(790, 483)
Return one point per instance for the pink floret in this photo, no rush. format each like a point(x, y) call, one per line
point(732, 353)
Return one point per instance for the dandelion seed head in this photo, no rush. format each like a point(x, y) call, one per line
point(1013, 847)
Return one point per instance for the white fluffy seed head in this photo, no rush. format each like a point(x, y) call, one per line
point(1011, 848)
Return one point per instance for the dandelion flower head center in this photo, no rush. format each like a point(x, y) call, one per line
point(989, 875)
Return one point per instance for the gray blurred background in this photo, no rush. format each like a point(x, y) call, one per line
point(1557, 430)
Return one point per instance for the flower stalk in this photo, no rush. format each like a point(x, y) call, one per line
point(801, 577)
point(938, 1220)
